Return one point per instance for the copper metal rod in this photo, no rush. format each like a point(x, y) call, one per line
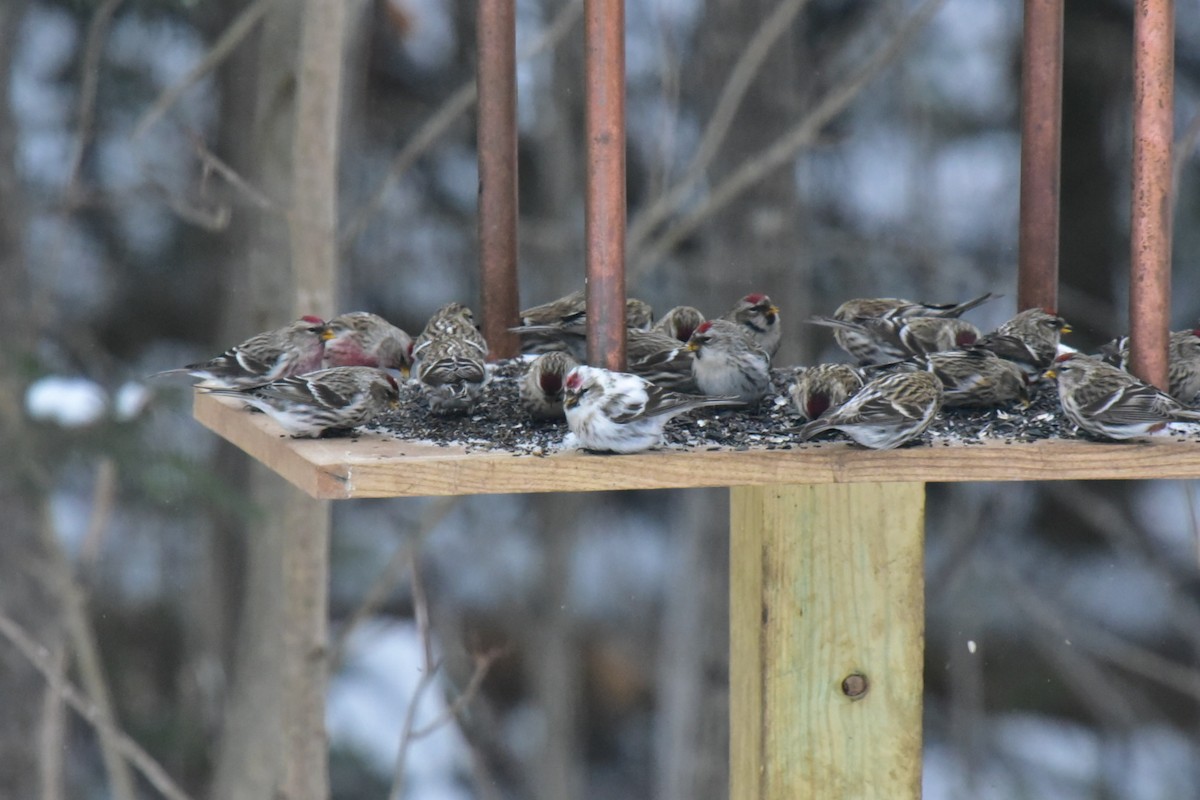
point(1041, 154)
point(496, 77)
point(1150, 262)
point(604, 34)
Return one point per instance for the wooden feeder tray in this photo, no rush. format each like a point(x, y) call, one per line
point(376, 465)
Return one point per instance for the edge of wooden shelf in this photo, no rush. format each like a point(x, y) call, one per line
point(374, 465)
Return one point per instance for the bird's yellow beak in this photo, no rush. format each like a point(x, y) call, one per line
point(691, 347)
point(773, 310)
point(1066, 328)
point(1050, 373)
point(327, 334)
point(570, 400)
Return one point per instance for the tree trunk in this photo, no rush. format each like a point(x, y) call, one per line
point(274, 738)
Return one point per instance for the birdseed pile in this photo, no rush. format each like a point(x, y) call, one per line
point(500, 424)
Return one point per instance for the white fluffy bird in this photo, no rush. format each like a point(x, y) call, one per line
point(623, 413)
point(328, 399)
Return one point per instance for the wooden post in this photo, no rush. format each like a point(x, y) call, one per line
point(827, 623)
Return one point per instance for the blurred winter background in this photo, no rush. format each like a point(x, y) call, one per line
point(138, 175)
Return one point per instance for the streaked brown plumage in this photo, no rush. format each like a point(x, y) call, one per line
point(822, 387)
point(326, 400)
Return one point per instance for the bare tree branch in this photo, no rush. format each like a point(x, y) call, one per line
point(43, 662)
point(1126, 535)
point(82, 638)
point(228, 41)
point(211, 163)
point(389, 576)
point(93, 50)
point(1092, 637)
point(740, 78)
point(409, 733)
point(429, 667)
point(483, 664)
point(104, 500)
point(460, 102)
point(53, 728)
point(801, 135)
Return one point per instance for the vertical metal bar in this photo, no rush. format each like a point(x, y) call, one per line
point(1041, 153)
point(604, 34)
point(496, 78)
point(1150, 262)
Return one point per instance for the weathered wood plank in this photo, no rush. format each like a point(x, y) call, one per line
point(376, 466)
point(827, 583)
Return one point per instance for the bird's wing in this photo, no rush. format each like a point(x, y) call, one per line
point(1131, 404)
point(300, 390)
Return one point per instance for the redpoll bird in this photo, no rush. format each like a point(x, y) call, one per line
point(451, 320)
point(978, 378)
point(556, 310)
point(863, 346)
point(885, 413)
point(291, 350)
point(363, 339)
point(620, 412)
point(1183, 363)
point(451, 374)
point(660, 359)
point(729, 363)
point(1030, 340)
point(679, 323)
point(541, 388)
point(760, 318)
point(882, 340)
point(896, 307)
point(448, 360)
point(822, 387)
point(1107, 401)
point(562, 324)
point(638, 313)
point(326, 400)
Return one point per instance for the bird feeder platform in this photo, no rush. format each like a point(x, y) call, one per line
point(375, 465)
point(827, 592)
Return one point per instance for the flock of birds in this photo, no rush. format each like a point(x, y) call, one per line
point(910, 361)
